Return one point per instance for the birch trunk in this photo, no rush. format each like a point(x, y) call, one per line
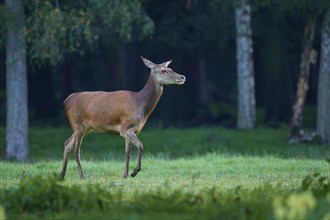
point(17, 105)
point(245, 71)
point(323, 99)
point(307, 57)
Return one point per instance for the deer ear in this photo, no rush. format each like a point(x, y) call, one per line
point(166, 63)
point(148, 63)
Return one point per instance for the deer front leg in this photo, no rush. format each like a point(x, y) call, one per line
point(130, 136)
point(128, 148)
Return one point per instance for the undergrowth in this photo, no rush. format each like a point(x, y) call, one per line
point(49, 194)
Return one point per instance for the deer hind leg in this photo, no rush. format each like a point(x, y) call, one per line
point(68, 146)
point(79, 135)
point(130, 136)
point(128, 148)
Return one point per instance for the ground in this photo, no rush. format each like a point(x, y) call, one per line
point(207, 173)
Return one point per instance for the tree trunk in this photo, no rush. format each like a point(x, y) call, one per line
point(308, 55)
point(17, 106)
point(245, 71)
point(323, 99)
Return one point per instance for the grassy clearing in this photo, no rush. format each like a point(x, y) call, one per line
point(192, 174)
point(47, 144)
point(207, 173)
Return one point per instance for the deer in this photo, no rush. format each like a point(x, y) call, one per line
point(120, 112)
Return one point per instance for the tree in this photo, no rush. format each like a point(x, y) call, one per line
point(17, 106)
point(50, 31)
point(323, 99)
point(307, 57)
point(245, 71)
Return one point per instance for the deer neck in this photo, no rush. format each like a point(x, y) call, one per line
point(150, 95)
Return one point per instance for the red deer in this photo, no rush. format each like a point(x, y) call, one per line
point(120, 112)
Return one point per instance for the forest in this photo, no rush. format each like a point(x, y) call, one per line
point(87, 45)
point(256, 89)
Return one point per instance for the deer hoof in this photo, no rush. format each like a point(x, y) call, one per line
point(133, 174)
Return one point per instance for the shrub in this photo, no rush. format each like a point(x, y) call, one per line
point(48, 194)
point(40, 195)
point(312, 202)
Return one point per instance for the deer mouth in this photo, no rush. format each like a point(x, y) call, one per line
point(181, 80)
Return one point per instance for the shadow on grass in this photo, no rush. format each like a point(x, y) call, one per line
point(47, 144)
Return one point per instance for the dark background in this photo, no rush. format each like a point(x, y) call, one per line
point(199, 37)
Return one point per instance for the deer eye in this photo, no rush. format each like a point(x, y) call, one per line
point(164, 71)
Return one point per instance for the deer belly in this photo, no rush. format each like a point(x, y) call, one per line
point(110, 129)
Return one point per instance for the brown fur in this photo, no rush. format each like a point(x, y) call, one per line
point(120, 112)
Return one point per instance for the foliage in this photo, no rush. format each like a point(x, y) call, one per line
point(121, 21)
point(302, 205)
point(317, 184)
point(42, 196)
point(315, 7)
point(40, 193)
point(47, 194)
point(312, 202)
point(198, 26)
point(2, 213)
point(52, 32)
point(55, 29)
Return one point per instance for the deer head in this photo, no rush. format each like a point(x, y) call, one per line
point(163, 74)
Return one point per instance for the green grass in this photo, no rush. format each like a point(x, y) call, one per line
point(47, 143)
point(207, 173)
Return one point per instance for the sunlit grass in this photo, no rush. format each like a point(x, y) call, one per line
point(191, 174)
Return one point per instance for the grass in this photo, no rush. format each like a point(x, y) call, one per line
point(207, 173)
point(47, 143)
point(195, 173)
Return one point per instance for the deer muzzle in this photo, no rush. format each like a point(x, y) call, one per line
point(180, 80)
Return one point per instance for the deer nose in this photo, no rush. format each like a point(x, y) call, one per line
point(183, 77)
